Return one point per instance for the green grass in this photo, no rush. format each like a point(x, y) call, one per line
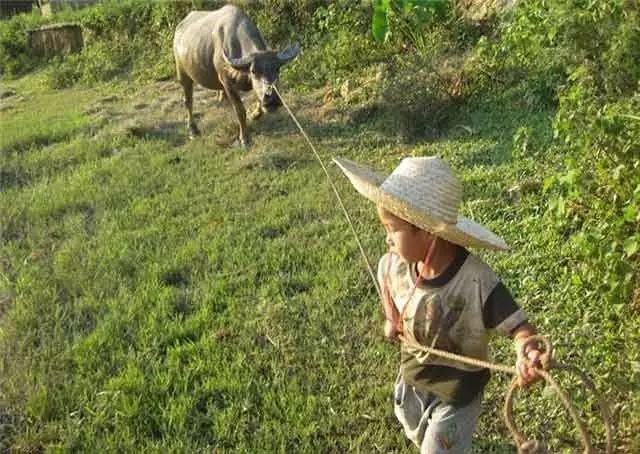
point(163, 295)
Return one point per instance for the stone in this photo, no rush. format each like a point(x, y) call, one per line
point(56, 39)
point(7, 93)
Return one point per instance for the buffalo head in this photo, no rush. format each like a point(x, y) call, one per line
point(264, 69)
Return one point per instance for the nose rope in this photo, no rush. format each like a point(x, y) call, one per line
point(269, 88)
point(335, 191)
point(547, 361)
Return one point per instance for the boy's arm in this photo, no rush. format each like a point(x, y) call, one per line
point(500, 312)
point(526, 365)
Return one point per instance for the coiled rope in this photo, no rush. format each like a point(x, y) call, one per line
point(547, 360)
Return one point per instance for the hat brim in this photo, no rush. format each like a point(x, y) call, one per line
point(464, 232)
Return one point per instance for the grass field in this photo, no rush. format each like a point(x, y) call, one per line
point(165, 295)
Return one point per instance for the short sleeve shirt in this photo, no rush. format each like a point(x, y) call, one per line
point(453, 312)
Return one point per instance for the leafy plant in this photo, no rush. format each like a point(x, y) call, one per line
point(405, 18)
point(15, 58)
point(336, 46)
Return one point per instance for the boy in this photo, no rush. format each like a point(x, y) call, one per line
point(438, 295)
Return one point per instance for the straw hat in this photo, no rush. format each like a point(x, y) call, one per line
point(425, 192)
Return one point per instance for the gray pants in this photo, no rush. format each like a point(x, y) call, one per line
point(434, 426)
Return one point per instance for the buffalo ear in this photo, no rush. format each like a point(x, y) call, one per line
point(241, 64)
point(288, 54)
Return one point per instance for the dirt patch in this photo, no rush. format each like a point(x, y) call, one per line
point(9, 99)
point(156, 111)
point(7, 93)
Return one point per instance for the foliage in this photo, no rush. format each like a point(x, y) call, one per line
point(15, 59)
point(133, 39)
point(599, 204)
point(122, 39)
point(420, 87)
point(583, 57)
point(405, 18)
point(337, 37)
point(284, 21)
point(413, 101)
point(129, 38)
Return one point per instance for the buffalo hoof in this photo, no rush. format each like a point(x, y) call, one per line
point(242, 143)
point(256, 114)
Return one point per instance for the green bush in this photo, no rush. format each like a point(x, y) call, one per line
point(599, 204)
point(414, 102)
point(283, 21)
point(422, 85)
point(121, 38)
point(15, 58)
point(597, 123)
point(582, 57)
point(337, 44)
point(132, 38)
point(406, 20)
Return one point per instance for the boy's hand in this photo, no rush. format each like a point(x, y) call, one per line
point(529, 357)
point(526, 366)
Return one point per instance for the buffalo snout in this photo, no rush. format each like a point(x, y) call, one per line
point(271, 102)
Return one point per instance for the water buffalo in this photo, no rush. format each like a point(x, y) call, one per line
point(223, 50)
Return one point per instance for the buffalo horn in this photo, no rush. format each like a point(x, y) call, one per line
point(289, 53)
point(241, 63)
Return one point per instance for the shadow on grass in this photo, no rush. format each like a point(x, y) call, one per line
point(269, 161)
point(492, 447)
point(498, 124)
point(38, 141)
point(169, 131)
point(400, 125)
point(178, 277)
point(12, 179)
point(492, 128)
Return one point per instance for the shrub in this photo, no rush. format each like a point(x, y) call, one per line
point(414, 102)
point(583, 57)
point(126, 38)
point(15, 58)
point(406, 20)
point(337, 44)
point(121, 38)
point(282, 21)
point(598, 204)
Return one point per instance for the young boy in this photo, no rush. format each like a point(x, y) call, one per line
point(438, 295)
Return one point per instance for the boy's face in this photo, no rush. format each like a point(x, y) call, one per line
point(403, 238)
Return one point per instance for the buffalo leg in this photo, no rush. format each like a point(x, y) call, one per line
point(241, 114)
point(257, 113)
point(187, 85)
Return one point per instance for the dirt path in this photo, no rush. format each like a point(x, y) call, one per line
point(157, 111)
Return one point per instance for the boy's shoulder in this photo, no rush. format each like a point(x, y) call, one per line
point(477, 264)
point(384, 259)
point(392, 263)
point(476, 272)
point(468, 268)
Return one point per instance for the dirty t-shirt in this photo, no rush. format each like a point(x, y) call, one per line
point(453, 312)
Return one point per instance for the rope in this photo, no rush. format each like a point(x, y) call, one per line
point(335, 191)
point(547, 361)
